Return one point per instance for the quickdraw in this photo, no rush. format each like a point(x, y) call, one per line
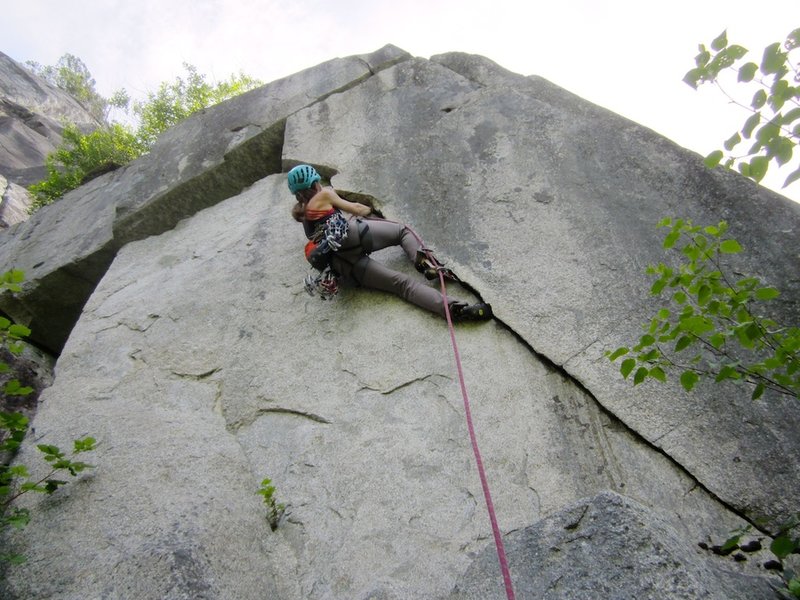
point(326, 284)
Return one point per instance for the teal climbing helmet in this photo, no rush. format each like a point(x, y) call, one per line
point(302, 177)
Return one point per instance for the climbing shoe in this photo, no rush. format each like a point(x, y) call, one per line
point(427, 264)
point(471, 312)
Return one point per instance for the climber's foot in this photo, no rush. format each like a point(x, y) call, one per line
point(429, 266)
point(471, 312)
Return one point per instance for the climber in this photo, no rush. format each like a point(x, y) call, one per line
point(339, 247)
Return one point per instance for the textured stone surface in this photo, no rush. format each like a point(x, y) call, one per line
point(14, 203)
point(210, 156)
point(607, 547)
point(201, 366)
point(548, 206)
point(32, 113)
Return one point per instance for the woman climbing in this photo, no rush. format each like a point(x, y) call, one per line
point(339, 246)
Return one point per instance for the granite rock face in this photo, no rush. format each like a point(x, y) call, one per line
point(607, 547)
point(194, 356)
point(32, 117)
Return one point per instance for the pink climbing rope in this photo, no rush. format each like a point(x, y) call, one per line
point(498, 540)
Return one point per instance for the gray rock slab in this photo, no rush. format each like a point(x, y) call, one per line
point(548, 206)
point(23, 88)
point(201, 366)
point(14, 203)
point(210, 156)
point(609, 547)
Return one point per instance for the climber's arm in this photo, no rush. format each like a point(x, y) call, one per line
point(361, 210)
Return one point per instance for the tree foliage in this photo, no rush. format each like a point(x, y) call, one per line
point(15, 479)
point(174, 101)
point(773, 127)
point(72, 75)
point(80, 155)
point(714, 326)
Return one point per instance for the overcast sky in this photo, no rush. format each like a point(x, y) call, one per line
point(626, 55)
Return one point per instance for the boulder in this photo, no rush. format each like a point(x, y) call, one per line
point(610, 547)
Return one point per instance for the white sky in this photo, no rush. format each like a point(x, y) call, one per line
point(626, 55)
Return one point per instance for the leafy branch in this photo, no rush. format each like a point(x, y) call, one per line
point(15, 479)
point(712, 320)
point(774, 123)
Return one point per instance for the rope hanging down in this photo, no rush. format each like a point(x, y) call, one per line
point(498, 540)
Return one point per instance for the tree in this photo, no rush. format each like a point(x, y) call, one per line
point(773, 125)
point(177, 100)
point(715, 326)
point(80, 156)
point(72, 75)
point(708, 307)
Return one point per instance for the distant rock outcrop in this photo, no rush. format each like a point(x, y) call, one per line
point(33, 114)
point(172, 289)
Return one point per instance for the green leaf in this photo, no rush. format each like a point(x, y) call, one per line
point(750, 125)
point(794, 176)
point(627, 366)
point(658, 374)
point(747, 72)
point(773, 59)
point(782, 546)
point(793, 40)
point(758, 167)
point(671, 238)
point(617, 353)
point(688, 380)
point(720, 41)
point(696, 324)
point(640, 375)
point(646, 340)
point(693, 77)
point(731, 142)
point(50, 451)
point(717, 340)
point(657, 287)
point(713, 159)
point(758, 391)
point(759, 99)
point(18, 331)
point(684, 342)
point(84, 445)
point(730, 247)
point(767, 293)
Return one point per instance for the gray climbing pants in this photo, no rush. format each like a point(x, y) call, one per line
point(352, 261)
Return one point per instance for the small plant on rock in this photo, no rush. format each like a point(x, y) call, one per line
point(275, 510)
point(782, 546)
